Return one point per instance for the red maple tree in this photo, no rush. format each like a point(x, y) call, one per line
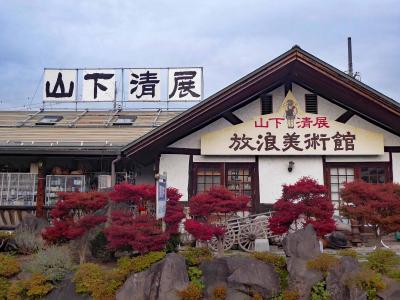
point(376, 205)
point(209, 210)
point(143, 232)
point(73, 217)
point(304, 202)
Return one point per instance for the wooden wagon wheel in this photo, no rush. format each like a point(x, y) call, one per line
point(229, 240)
point(248, 233)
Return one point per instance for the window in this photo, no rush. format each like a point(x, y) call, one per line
point(266, 104)
point(236, 177)
point(340, 173)
point(239, 180)
point(125, 120)
point(207, 176)
point(373, 174)
point(49, 120)
point(338, 177)
point(311, 103)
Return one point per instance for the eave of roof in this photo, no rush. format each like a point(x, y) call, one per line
point(282, 65)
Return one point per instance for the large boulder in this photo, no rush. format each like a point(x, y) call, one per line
point(242, 276)
point(392, 290)
point(337, 277)
point(300, 247)
point(160, 282)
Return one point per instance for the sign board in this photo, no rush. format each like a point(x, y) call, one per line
point(98, 85)
point(161, 196)
point(144, 85)
point(60, 85)
point(290, 131)
point(184, 84)
point(138, 84)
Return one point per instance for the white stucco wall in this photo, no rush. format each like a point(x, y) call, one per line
point(363, 158)
point(396, 167)
point(273, 172)
point(192, 141)
point(177, 168)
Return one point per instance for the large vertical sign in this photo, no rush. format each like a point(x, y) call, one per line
point(185, 84)
point(98, 85)
point(144, 85)
point(59, 85)
point(161, 196)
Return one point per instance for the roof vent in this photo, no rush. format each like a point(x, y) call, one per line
point(49, 120)
point(124, 120)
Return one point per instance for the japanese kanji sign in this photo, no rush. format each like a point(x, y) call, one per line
point(178, 84)
point(60, 85)
point(98, 85)
point(144, 84)
point(184, 84)
point(290, 131)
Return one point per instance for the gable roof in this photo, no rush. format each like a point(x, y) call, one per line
point(295, 65)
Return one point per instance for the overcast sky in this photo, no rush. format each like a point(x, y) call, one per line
point(228, 38)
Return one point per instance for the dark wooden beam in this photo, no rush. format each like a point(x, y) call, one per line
point(187, 151)
point(395, 149)
point(288, 87)
point(232, 118)
point(343, 118)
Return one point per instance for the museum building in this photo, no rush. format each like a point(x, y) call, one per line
point(295, 116)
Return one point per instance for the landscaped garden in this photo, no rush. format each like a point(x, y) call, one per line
point(109, 245)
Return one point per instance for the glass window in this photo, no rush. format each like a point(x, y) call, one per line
point(373, 174)
point(338, 177)
point(207, 177)
point(239, 180)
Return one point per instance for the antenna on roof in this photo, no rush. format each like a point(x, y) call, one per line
point(350, 57)
point(355, 75)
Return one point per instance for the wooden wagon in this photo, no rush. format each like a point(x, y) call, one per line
point(244, 231)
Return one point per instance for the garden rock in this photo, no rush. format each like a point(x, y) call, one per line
point(392, 290)
point(66, 290)
point(300, 247)
point(337, 276)
point(242, 276)
point(160, 282)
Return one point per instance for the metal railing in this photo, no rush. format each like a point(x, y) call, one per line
point(18, 189)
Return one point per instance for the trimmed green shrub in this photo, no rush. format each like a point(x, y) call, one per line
point(195, 256)
point(347, 252)
point(54, 262)
point(279, 263)
point(195, 274)
point(9, 266)
point(367, 280)
point(383, 261)
point(323, 263)
point(33, 288)
point(191, 292)
point(319, 292)
point(102, 284)
point(4, 285)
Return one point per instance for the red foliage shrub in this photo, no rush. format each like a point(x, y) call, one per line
point(304, 202)
point(73, 217)
point(214, 204)
point(373, 204)
point(141, 233)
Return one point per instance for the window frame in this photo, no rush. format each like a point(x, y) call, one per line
point(357, 171)
point(223, 166)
